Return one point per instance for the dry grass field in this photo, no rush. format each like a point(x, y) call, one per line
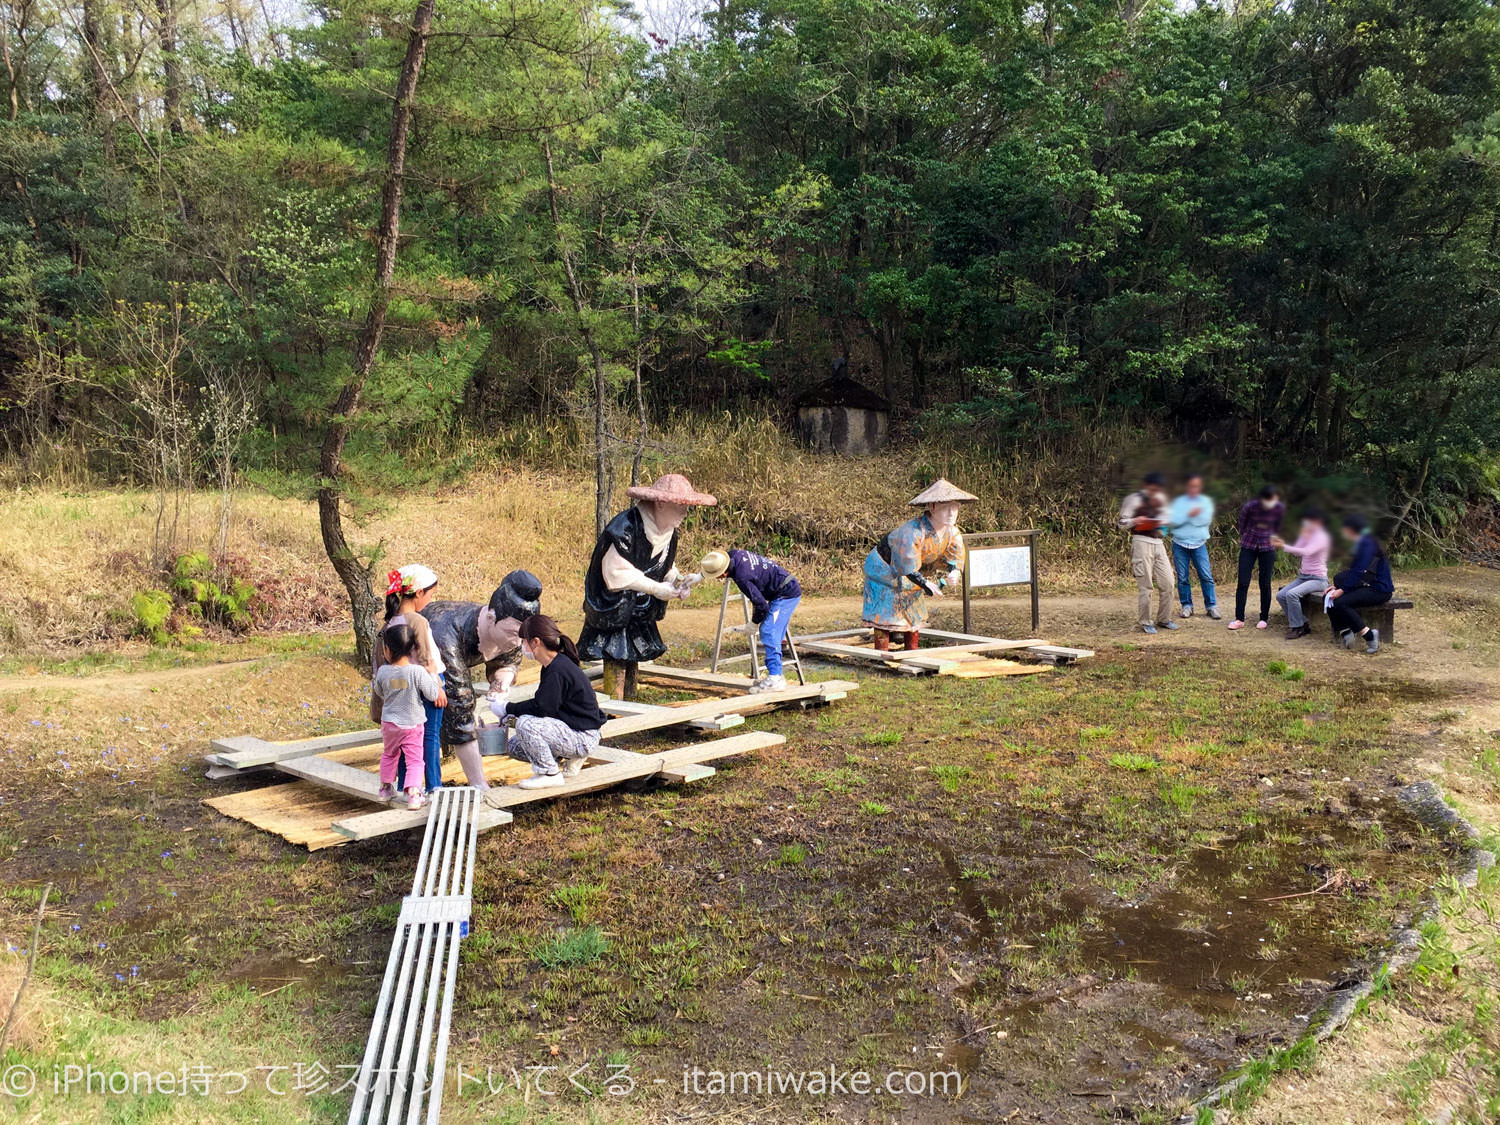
point(74, 556)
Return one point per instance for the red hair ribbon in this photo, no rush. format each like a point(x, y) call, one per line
point(396, 582)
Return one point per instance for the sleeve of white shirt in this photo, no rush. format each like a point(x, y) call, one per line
point(620, 575)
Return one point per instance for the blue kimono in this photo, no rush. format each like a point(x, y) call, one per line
point(894, 600)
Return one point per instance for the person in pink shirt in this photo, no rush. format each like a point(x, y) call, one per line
point(1312, 547)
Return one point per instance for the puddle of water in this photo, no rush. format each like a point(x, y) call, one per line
point(1144, 1000)
point(266, 973)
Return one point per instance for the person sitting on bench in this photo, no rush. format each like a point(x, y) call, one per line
point(772, 592)
point(1366, 583)
point(1311, 548)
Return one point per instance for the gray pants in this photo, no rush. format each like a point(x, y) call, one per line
point(542, 741)
point(1290, 597)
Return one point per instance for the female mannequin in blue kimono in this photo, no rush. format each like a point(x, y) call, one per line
point(912, 564)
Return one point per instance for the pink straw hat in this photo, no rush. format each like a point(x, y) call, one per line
point(674, 488)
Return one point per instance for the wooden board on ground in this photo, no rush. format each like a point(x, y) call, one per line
point(302, 812)
point(616, 708)
point(336, 798)
point(964, 654)
point(245, 751)
point(591, 779)
point(248, 752)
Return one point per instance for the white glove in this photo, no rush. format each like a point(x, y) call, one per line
point(497, 707)
point(666, 591)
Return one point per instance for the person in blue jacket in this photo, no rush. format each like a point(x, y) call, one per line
point(1190, 521)
point(1366, 583)
point(773, 595)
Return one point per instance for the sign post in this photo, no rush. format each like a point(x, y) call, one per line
point(1004, 564)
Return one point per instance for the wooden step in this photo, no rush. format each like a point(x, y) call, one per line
point(591, 779)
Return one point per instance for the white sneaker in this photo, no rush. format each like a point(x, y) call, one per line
point(543, 781)
point(769, 683)
point(570, 766)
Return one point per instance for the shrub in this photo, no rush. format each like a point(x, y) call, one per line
point(152, 610)
point(223, 599)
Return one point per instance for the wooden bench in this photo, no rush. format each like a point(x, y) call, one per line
point(401, 1073)
point(1382, 617)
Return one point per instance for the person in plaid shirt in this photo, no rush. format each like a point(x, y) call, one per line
point(1260, 522)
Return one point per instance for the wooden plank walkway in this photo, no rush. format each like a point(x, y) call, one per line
point(245, 752)
point(337, 785)
point(957, 657)
point(617, 766)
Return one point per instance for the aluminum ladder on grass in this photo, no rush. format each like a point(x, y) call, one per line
point(751, 632)
point(401, 1075)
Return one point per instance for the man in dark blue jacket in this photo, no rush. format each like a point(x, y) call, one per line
point(773, 595)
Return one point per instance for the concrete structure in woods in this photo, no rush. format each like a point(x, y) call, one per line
point(842, 416)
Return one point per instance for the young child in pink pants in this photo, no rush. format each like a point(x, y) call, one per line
point(400, 686)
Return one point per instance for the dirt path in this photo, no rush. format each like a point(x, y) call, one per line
point(106, 682)
point(1426, 651)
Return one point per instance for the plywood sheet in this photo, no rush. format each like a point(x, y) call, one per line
point(301, 812)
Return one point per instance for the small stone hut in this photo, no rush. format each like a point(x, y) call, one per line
point(843, 416)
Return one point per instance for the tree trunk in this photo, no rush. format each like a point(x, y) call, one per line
point(99, 87)
point(13, 102)
point(171, 66)
point(603, 482)
point(642, 425)
point(353, 571)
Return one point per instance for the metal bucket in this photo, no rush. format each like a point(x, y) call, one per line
point(493, 739)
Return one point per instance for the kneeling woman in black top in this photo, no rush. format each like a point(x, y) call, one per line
point(558, 727)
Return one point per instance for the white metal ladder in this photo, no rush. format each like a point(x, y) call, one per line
point(751, 632)
point(401, 1075)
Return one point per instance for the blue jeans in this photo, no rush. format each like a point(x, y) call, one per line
point(773, 631)
point(1197, 557)
point(432, 747)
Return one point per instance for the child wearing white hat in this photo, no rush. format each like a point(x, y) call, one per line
point(408, 591)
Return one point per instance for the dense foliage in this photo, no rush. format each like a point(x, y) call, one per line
point(1277, 222)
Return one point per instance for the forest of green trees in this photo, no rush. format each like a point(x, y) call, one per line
point(308, 235)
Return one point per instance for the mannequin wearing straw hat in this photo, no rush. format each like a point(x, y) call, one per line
point(632, 577)
point(913, 564)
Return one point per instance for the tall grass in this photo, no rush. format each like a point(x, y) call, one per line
point(523, 497)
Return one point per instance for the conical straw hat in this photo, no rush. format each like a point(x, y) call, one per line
point(674, 488)
point(941, 491)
